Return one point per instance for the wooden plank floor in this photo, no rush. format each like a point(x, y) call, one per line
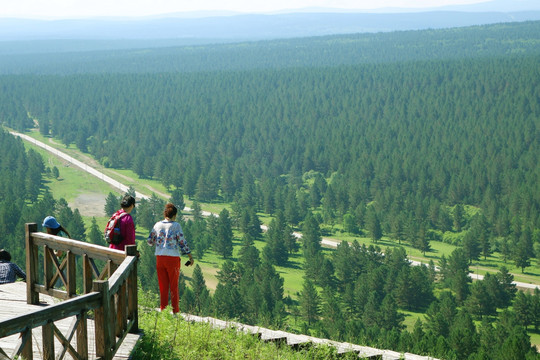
point(13, 303)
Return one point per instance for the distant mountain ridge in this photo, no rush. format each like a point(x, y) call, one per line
point(252, 26)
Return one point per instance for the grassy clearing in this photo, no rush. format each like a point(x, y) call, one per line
point(411, 318)
point(72, 182)
point(535, 338)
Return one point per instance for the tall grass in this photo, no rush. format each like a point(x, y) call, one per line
point(170, 337)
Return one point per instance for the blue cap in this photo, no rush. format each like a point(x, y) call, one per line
point(50, 222)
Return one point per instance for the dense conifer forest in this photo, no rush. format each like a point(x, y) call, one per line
point(434, 145)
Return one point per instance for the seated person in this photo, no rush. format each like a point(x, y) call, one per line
point(8, 270)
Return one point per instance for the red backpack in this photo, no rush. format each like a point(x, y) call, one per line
point(112, 230)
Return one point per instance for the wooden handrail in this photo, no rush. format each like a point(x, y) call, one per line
point(114, 301)
point(54, 312)
point(78, 247)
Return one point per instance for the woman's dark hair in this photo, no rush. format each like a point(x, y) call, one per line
point(5, 255)
point(127, 201)
point(170, 211)
point(57, 230)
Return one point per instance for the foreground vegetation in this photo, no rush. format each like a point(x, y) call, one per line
point(169, 337)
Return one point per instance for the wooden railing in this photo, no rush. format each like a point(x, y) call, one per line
point(110, 292)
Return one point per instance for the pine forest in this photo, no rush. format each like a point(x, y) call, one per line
point(408, 139)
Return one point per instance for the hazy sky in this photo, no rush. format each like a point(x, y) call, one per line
point(88, 8)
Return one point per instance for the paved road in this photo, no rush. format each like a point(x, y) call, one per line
point(123, 188)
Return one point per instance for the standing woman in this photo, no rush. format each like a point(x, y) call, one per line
point(127, 226)
point(168, 238)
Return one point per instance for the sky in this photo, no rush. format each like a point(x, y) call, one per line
point(55, 9)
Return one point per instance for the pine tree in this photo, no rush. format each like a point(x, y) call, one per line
point(275, 250)
point(422, 242)
point(196, 211)
point(458, 217)
point(292, 210)
point(112, 203)
point(535, 308)
point(349, 224)
point(374, 225)
point(471, 246)
point(289, 239)
point(456, 273)
point(342, 260)
point(271, 287)
point(204, 191)
point(479, 302)
point(228, 301)
point(253, 224)
point(311, 244)
point(309, 303)
point(249, 254)
point(463, 338)
point(524, 250)
point(77, 229)
point(333, 315)
point(523, 309)
point(507, 289)
point(229, 273)
point(200, 292)
point(441, 314)
point(95, 235)
point(391, 318)
point(177, 198)
point(224, 240)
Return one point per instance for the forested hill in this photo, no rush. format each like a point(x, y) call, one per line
point(74, 56)
point(414, 137)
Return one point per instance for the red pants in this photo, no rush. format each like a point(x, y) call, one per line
point(168, 272)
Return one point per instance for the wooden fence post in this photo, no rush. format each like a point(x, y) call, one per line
point(32, 296)
point(71, 287)
point(47, 268)
point(26, 339)
point(104, 327)
point(132, 287)
point(82, 335)
point(87, 274)
point(48, 341)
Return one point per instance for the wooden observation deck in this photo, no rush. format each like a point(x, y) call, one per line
point(84, 307)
